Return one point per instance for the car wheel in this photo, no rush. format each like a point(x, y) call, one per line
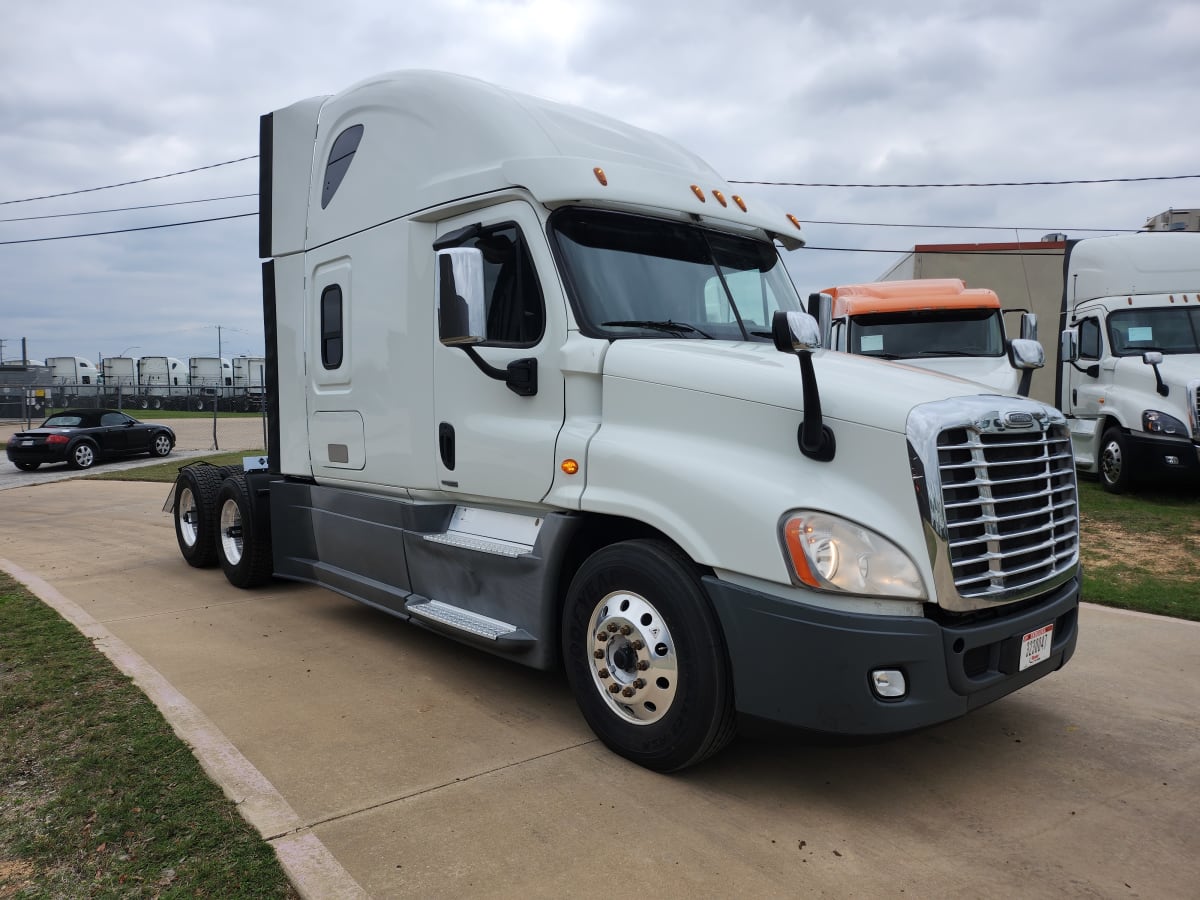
point(27, 466)
point(162, 444)
point(196, 514)
point(243, 539)
point(1116, 469)
point(82, 455)
point(198, 405)
point(645, 657)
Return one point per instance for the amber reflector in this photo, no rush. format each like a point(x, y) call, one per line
point(740, 202)
point(699, 193)
point(600, 176)
point(570, 466)
point(720, 197)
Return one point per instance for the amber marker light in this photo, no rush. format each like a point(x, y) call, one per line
point(570, 466)
point(699, 193)
point(720, 197)
point(795, 222)
point(795, 533)
point(741, 204)
point(600, 176)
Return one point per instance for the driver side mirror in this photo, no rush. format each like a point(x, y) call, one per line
point(462, 318)
point(1069, 345)
point(794, 331)
point(1026, 354)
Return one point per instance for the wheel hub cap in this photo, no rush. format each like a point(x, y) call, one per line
point(634, 666)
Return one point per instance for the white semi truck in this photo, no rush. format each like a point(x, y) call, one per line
point(249, 382)
point(1129, 375)
point(211, 381)
point(75, 379)
point(934, 323)
point(163, 382)
point(525, 389)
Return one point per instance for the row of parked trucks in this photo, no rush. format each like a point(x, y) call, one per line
point(156, 382)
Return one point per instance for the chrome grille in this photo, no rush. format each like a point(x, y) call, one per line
point(1010, 508)
point(995, 482)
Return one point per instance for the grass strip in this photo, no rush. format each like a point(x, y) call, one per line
point(166, 472)
point(98, 797)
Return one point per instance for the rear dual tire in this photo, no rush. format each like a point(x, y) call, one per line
point(243, 537)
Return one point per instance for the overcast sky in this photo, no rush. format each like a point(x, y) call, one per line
point(814, 91)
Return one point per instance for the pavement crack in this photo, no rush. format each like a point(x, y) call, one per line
point(429, 790)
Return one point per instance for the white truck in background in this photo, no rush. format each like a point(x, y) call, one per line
point(539, 381)
point(211, 381)
point(118, 374)
point(74, 378)
point(163, 382)
point(249, 382)
point(1129, 375)
point(934, 323)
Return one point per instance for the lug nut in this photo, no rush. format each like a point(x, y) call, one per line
point(599, 654)
point(603, 673)
point(637, 644)
point(628, 692)
point(613, 626)
point(614, 688)
point(625, 629)
point(639, 683)
point(643, 665)
point(602, 636)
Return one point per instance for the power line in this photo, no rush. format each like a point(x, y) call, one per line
point(961, 227)
point(94, 212)
point(964, 184)
point(65, 237)
point(105, 187)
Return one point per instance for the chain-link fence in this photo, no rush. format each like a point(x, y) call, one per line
point(32, 401)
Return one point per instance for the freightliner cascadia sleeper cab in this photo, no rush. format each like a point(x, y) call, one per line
point(526, 389)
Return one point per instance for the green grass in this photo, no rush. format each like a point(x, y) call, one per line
point(166, 472)
point(1141, 550)
point(98, 797)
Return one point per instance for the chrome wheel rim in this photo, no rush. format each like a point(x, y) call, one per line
point(1110, 462)
point(632, 655)
point(231, 532)
point(84, 456)
point(185, 512)
point(162, 445)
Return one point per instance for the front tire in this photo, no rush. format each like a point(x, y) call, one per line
point(196, 514)
point(162, 444)
point(645, 657)
point(243, 539)
point(1116, 465)
point(82, 455)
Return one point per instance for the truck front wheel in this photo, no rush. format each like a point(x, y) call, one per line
point(196, 514)
point(645, 657)
point(1116, 469)
point(243, 539)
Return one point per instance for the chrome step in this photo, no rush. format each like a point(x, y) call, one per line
point(481, 544)
point(466, 621)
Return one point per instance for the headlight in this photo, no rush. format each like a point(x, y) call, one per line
point(1160, 423)
point(829, 553)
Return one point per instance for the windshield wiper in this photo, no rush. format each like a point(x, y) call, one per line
point(945, 353)
point(668, 326)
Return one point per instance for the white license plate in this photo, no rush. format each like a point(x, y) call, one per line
point(26, 443)
point(1035, 647)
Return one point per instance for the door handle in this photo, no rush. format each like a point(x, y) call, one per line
point(446, 444)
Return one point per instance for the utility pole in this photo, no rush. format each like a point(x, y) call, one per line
point(217, 395)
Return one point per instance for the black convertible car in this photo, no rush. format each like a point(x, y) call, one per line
point(81, 437)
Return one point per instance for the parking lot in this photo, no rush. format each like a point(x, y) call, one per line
point(427, 769)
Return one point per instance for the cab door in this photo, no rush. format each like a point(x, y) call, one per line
point(490, 441)
point(1084, 380)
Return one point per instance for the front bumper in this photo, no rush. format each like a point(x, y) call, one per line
point(1155, 454)
point(810, 667)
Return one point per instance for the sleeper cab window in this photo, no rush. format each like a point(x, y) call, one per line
point(331, 327)
point(339, 161)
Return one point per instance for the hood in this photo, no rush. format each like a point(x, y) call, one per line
point(853, 388)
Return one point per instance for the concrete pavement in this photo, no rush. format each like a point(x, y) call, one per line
point(400, 764)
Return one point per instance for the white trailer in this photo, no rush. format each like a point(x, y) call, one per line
point(163, 382)
point(1129, 361)
point(526, 389)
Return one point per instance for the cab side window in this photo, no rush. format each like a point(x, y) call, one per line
point(516, 312)
point(1089, 339)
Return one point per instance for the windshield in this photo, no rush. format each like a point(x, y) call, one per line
point(1168, 329)
point(633, 276)
point(924, 333)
